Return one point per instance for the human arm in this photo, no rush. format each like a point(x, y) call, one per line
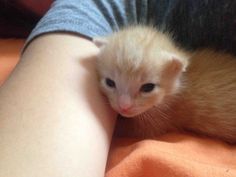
point(53, 120)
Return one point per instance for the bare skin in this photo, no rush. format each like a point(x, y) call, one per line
point(53, 120)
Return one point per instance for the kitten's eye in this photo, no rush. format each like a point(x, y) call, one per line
point(110, 83)
point(147, 87)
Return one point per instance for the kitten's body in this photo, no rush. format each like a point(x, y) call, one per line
point(205, 105)
point(202, 99)
point(210, 95)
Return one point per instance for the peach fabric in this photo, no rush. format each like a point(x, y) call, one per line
point(172, 155)
point(9, 56)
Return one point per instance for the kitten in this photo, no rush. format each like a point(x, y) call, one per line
point(147, 77)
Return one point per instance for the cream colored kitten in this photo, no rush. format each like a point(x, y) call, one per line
point(146, 77)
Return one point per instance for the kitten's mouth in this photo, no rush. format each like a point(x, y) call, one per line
point(128, 114)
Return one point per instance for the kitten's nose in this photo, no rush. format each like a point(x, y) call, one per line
point(125, 109)
point(125, 103)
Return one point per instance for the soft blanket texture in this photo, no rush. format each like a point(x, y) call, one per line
point(9, 56)
point(172, 155)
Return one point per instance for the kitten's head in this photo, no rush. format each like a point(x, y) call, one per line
point(134, 73)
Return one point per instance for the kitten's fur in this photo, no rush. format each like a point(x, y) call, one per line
point(199, 97)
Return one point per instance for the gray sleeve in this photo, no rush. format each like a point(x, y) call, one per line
point(90, 18)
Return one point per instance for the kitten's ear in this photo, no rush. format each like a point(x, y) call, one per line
point(173, 68)
point(170, 75)
point(100, 42)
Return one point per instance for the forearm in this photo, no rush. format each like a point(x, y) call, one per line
point(53, 119)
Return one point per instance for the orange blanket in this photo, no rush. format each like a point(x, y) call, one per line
point(9, 56)
point(172, 155)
